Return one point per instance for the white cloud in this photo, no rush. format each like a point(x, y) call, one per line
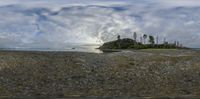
point(90, 24)
point(174, 3)
point(39, 24)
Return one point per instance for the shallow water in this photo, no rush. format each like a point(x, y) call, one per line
point(196, 49)
point(73, 47)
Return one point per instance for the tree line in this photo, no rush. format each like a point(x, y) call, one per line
point(133, 43)
point(153, 40)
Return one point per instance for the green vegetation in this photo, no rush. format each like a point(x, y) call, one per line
point(128, 43)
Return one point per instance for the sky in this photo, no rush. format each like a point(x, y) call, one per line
point(58, 23)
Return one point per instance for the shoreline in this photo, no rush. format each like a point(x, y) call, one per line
point(99, 52)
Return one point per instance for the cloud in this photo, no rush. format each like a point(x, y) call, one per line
point(41, 27)
point(60, 3)
point(28, 24)
point(175, 3)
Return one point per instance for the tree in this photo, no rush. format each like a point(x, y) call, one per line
point(175, 43)
point(164, 40)
point(178, 43)
point(151, 40)
point(157, 39)
point(135, 36)
point(141, 39)
point(118, 37)
point(145, 37)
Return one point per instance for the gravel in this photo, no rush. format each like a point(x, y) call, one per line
point(145, 73)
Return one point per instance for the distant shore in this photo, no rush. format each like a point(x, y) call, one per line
point(128, 43)
point(134, 73)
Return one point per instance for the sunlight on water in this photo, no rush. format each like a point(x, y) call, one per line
point(71, 48)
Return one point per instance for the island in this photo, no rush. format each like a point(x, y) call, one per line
point(128, 43)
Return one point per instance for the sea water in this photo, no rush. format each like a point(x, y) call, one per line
point(71, 48)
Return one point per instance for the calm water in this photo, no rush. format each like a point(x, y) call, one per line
point(195, 48)
point(74, 48)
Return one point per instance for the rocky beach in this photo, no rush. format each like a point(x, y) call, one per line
point(130, 73)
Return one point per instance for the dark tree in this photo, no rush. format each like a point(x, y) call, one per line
point(118, 37)
point(135, 36)
point(178, 43)
point(164, 40)
point(151, 40)
point(157, 39)
point(141, 39)
point(145, 37)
